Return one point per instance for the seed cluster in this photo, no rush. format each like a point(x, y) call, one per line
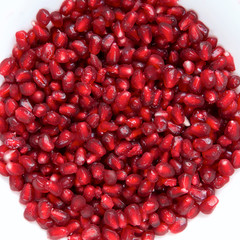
point(118, 119)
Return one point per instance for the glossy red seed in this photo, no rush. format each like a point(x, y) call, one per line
point(165, 170)
point(110, 234)
point(145, 161)
point(107, 202)
point(179, 225)
point(150, 206)
point(57, 232)
point(95, 146)
point(166, 31)
point(41, 33)
point(129, 20)
point(3, 170)
point(39, 79)
point(184, 205)
point(225, 168)
point(45, 143)
point(145, 33)
point(53, 187)
point(22, 40)
point(14, 169)
point(236, 159)
point(207, 174)
point(220, 181)
point(113, 54)
point(67, 7)
point(23, 115)
point(16, 183)
point(60, 217)
point(26, 194)
point(44, 209)
point(91, 232)
point(232, 130)
point(61, 55)
point(77, 203)
point(56, 71)
point(161, 230)
point(6, 66)
point(133, 180)
point(111, 219)
point(193, 212)
point(185, 181)
point(208, 205)
point(43, 17)
point(83, 176)
point(133, 214)
point(170, 77)
point(167, 216)
point(27, 88)
point(205, 50)
point(30, 212)
point(83, 23)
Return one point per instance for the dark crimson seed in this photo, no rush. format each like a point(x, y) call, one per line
point(209, 205)
point(43, 17)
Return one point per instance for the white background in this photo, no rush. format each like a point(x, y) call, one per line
point(223, 18)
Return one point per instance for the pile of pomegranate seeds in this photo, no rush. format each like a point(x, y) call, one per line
point(119, 120)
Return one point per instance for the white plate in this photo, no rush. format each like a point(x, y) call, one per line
point(223, 18)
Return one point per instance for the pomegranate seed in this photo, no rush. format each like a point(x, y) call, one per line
point(14, 169)
point(41, 33)
point(110, 234)
point(57, 232)
point(16, 183)
point(205, 50)
point(23, 115)
point(145, 33)
point(67, 7)
point(77, 203)
point(207, 174)
point(45, 143)
point(60, 217)
point(91, 232)
point(235, 159)
point(225, 167)
point(111, 219)
point(179, 225)
point(185, 181)
point(148, 236)
point(220, 181)
point(83, 176)
point(30, 212)
point(45, 224)
point(44, 209)
point(165, 170)
point(193, 212)
point(113, 54)
point(161, 230)
point(167, 216)
point(107, 202)
point(150, 206)
point(83, 23)
point(43, 17)
point(133, 214)
point(26, 195)
point(54, 188)
point(208, 205)
point(6, 66)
